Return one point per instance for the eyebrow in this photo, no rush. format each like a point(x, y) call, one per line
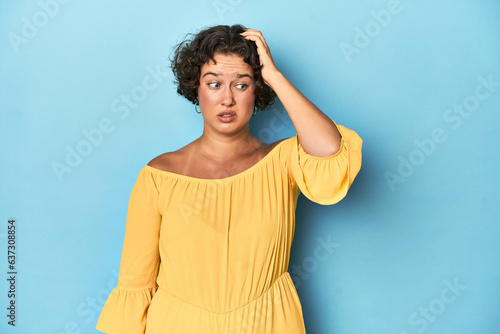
point(236, 75)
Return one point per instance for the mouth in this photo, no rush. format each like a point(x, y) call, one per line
point(227, 113)
point(227, 116)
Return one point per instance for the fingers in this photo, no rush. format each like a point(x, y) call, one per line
point(254, 35)
point(266, 60)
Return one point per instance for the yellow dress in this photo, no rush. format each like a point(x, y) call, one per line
point(203, 256)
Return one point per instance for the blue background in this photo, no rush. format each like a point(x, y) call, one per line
point(416, 220)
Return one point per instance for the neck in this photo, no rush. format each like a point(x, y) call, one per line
point(226, 146)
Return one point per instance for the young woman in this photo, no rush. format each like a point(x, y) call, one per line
point(209, 226)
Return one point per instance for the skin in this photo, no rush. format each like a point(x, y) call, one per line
point(223, 149)
point(227, 85)
point(317, 134)
point(226, 149)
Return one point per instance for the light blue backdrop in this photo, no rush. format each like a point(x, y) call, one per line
point(414, 247)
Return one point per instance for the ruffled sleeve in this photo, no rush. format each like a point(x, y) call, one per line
point(325, 180)
point(125, 310)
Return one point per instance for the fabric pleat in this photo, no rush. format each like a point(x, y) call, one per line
point(212, 255)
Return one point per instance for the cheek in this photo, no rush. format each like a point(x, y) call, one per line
point(248, 97)
point(204, 94)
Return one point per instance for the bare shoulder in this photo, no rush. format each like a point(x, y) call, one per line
point(276, 143)
point(267, 148)
point(169, 161)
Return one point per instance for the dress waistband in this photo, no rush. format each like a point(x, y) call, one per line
point(284, 276)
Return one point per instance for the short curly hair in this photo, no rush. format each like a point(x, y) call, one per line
point(192, 53)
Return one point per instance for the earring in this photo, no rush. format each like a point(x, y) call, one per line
point(254, 111)
point(195, 104)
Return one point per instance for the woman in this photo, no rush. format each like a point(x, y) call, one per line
point(210, 226)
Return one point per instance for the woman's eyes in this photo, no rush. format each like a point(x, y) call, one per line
point(243, 86)
point(238, 86)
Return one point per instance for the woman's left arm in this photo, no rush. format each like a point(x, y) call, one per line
point(317, 134)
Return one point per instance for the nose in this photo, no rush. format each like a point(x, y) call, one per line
point(227, 96)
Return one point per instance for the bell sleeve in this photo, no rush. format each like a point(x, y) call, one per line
point(325, 180)
point(125, 310)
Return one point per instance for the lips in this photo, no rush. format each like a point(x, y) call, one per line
point(227, 113)
point(227, 116)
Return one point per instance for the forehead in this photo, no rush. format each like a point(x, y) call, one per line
point(227, 65)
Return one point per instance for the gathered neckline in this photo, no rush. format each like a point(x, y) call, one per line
point(228, 178)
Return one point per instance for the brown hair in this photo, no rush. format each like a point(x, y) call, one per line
point(192, 53)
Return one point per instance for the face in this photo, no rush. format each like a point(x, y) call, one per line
point(226, 93)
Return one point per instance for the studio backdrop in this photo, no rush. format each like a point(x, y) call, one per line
point(88, 99)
